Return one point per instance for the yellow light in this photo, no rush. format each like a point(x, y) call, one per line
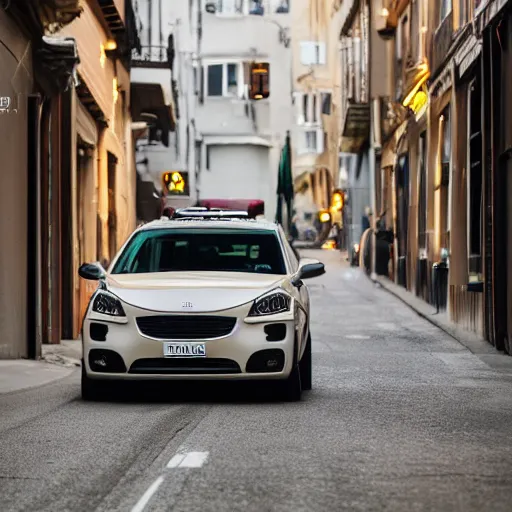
point(356, 247)
point(177, 182)
point(329, 245)
point(325, 217)
point(419, 101)
point(337, 201)
point(115, 90)
point(384, 13)
point(408, 99)
point(110, 45)
point(103, 56)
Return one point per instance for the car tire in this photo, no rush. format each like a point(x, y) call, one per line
point(306, 367)
point(90, 391)
point(293, 386)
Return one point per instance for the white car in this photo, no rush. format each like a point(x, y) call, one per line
point(200, 299)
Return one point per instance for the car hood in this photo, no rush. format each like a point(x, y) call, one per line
point(202, 291)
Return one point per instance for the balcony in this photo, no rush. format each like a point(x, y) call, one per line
point(151, 57)
point(114, 14)
point(46, 16)
point(356, 127)
point(441, 43)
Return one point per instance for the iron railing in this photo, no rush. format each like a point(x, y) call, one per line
point(151, 54)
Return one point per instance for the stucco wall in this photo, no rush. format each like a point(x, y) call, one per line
point(16, 83)
point(237, 172)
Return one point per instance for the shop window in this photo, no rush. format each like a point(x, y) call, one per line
point(474, 182)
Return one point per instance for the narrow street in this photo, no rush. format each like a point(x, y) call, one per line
point(401, 418)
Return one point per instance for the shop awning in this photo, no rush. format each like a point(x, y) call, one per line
point(356, 129)
point(149, 99)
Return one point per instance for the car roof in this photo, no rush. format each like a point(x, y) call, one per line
point(200, 223)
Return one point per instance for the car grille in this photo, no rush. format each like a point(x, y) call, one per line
point(195, 327)
point(184, 366)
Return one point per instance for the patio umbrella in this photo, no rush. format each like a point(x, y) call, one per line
point(285, 185)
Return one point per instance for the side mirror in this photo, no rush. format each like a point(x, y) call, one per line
point(307, 270)
point(91, 271)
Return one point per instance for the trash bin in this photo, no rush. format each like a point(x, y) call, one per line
point(440, 285)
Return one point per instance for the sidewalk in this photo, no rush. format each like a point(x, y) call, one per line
point(474, 343)
point(57, 362)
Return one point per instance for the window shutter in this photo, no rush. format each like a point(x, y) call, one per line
point(299, 114)
point(201, 84)
point(322, 53)
point(319, 141)
point(307, 53)
point(302, 148)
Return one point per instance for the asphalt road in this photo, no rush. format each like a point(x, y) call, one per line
point(401, 418)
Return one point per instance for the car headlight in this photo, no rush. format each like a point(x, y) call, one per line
point(271, 304)
point(107, 304)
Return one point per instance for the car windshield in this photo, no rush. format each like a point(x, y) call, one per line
point(175, 250)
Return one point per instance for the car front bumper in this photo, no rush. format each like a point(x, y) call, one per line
point(227, 357)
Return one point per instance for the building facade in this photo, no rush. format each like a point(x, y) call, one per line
point(445, 151)
point(66, 122)
point(240, 138)
point(316, 98)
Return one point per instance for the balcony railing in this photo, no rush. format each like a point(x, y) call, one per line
point(151, 57)
point(442, 41)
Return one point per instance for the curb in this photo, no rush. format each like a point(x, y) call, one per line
point(474, 343)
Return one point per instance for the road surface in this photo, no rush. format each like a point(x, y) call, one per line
point(401, 418)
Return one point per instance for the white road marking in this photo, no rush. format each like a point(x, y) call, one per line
point(357, 337)
point(188, 460)
point(141, 504)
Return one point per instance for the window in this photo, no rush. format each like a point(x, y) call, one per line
point(232, 79)
point(312, 53)
point(309, 108)
point(223, 79)
point(215, 78)
point(474, 181)
point(230, 7)
point(326, 98)
point(283, 6)
point(311, 141)
point(210, 250)
point(446, 9)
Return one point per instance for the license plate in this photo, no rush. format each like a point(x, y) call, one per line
point(184, 350)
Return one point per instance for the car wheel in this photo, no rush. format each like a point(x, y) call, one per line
point(90, 391)
point(306, 367)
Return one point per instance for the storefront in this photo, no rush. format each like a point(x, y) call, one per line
point(495, 23)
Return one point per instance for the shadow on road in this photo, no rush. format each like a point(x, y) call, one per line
point(198, 392)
